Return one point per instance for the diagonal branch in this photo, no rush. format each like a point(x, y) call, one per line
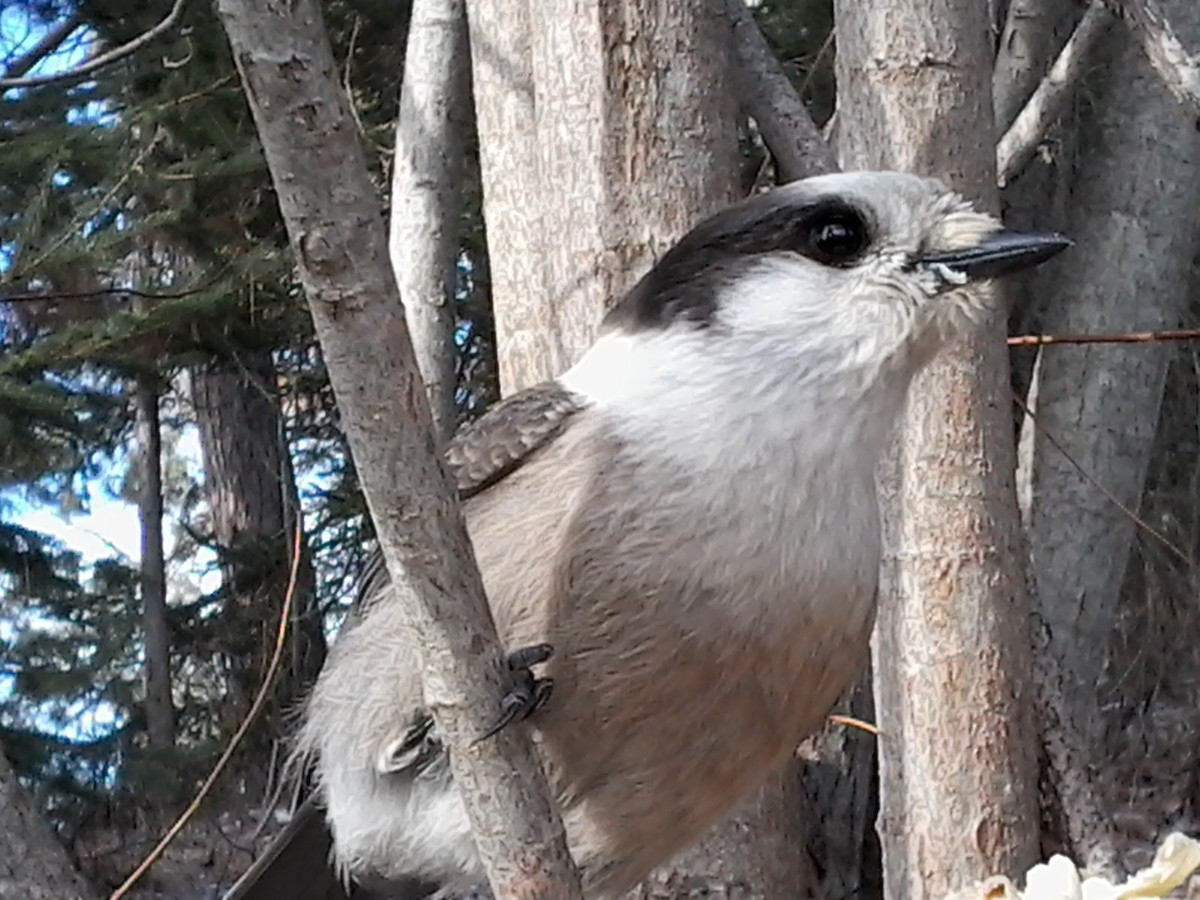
point(331, 212)
point(50, 42)
point(1179, 69)
point(1027, 131)
point(79, 73)
point(770, 99)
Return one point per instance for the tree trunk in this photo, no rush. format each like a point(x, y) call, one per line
point(156, 640)
point(1135, 245)
point(431, 133)
point(636, 142)
point(33, 865)
point(331, 212)
point(505, 119)
point(254, 508)
point(952, 647)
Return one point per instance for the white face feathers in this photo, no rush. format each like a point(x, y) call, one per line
point(867, 263)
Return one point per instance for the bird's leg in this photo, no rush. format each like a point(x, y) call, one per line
point(528, 692)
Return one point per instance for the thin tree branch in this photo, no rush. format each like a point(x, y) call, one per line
point(1021, 140)
point(1179, 69)
point(431, 132)
point(330, 209)
point(1136, 337)
point(770, 99)
point(104, 59)
point(47, 45)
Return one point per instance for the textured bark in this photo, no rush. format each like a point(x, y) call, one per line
point(33, 865)
point(1033, 32)
point(331, 213)
point(768, 96)
point(156, 637)
point(952, 646)
point(634, 140)
point(1135, 242)
point(505, 119)
point(1049, 100)
point(431, 134)
point(254, 510)
point(1154, 24)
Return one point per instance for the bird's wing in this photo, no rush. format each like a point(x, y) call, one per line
point(482, 453)
point(497, 443)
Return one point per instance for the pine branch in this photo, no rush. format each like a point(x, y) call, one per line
point(79, 73)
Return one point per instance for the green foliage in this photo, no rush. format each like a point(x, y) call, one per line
point(139, 235)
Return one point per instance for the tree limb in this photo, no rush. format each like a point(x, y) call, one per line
point(427, 194)
point(50, 42)
point(1033, 32)
point(770, 99)
point(1178, 69)
point(1021, 140)
point(331, 212)
point(104, 59)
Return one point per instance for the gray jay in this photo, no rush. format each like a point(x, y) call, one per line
point(688, 518)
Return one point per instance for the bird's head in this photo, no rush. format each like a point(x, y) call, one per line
point(855, 266)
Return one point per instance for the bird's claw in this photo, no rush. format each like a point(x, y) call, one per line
point(528, 694)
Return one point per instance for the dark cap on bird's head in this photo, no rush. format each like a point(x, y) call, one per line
point(861, 233)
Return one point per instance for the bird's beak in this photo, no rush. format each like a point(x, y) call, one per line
point(1000, 253)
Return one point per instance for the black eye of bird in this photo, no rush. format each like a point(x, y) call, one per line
point(835, 238)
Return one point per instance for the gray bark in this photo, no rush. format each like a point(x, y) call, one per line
point(1033, 32)
point(328, 205)
point(1176, 61)
point(634, 141)
point(431, 134)
point(952, 646)
point(156, 638)
point(1134, 227)
point(1049, 100)
point(254, 510)
point(768, 97)
point(505, 119)
point(33, 865)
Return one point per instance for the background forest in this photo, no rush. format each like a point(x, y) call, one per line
point(171, 455)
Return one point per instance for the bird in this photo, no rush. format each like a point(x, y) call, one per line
point(679, 536)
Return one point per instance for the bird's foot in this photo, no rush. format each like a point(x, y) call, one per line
point(529, 693)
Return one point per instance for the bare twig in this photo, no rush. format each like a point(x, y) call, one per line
point(770, 99)
point(104, 59)
point(1137, 337)
point(260, 699)
point(1027, 131)
point(1179, 69)
point(47, 45)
